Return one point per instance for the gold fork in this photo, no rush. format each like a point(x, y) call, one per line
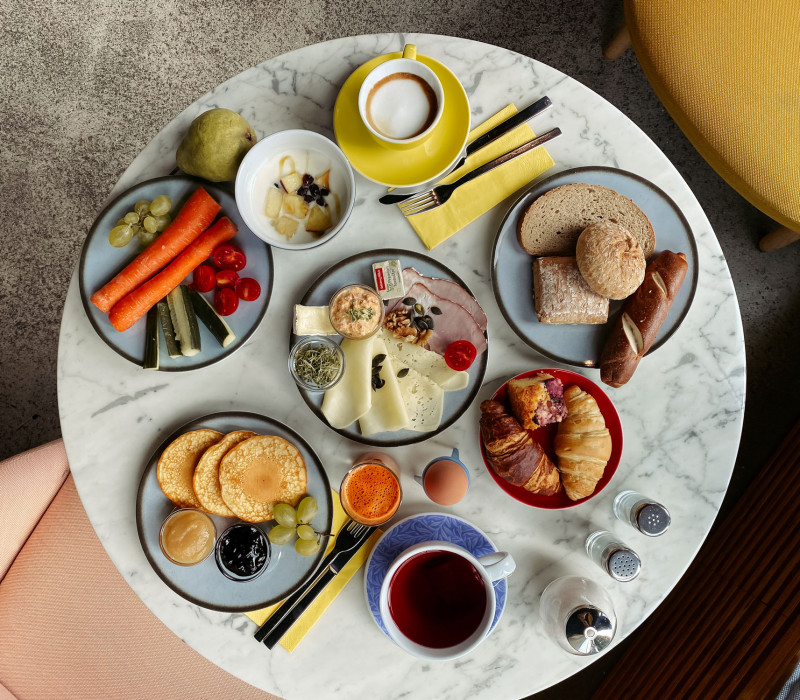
point(437, 196)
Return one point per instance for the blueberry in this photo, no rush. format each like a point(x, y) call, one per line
point(308, 198)
point(321, 201)
point(314, 189)
point(307, 179)
point(302, 191)
point(324, 191)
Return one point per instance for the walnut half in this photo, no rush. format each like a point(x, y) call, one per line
point(402, 327)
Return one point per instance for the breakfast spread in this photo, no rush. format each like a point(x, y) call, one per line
point(356, 311)
point(187, 537)
point(242, 552)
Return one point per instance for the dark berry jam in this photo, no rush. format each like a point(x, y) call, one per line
point(242, 552)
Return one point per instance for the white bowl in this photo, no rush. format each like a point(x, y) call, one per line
point(260, 170)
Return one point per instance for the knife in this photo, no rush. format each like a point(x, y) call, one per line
point(294, 606)
point(494, 133)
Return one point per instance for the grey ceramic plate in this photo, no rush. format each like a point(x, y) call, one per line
point(100, 261)
point(358, 269)
point(512, 273)
point(204, 584)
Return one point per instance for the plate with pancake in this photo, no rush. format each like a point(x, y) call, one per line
point(579, 453)
point(392, 384)
point(204, 584)
point(580, 344)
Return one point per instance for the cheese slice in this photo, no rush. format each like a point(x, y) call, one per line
point(351, 397)
point(422, 397)
point(388, 412)
point(312, 320)
point(426, 362)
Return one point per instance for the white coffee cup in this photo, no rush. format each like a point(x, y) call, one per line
point(401, 100)
point(489, 568)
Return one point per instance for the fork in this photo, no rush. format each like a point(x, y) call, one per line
point(349, 536)
point(441, 193)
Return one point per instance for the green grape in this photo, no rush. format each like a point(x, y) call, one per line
point(306, 532)
point(122, 222)
point(285, 515)
point(162, 222)
point(160, 205)
point(280, 534)
point(146, 238)
point(141, 208)
point(305, 548)
point(150, 224)
point(131, 218)
point(306, 510)
point(120, 236)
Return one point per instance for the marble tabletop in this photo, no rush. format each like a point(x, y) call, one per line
point(681, 414)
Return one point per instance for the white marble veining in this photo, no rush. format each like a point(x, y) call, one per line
point(681, 414)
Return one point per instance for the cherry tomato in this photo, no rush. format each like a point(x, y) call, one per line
point(247, 289)
point(226, 278)
point(204, 278)
point(225, 301)
point(229, 257)
point(460, 355)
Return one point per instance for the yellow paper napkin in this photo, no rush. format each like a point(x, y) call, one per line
point(469, 201)
point(306, 621)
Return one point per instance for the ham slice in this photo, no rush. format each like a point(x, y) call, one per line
point(448, 290)
point(454, 323)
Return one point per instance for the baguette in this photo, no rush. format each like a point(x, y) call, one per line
point(642, 316)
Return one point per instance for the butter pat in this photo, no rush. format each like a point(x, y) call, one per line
point(312, 320)
point(388, 276)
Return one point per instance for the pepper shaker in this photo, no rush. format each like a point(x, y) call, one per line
point(646, 515)
point(618, 560)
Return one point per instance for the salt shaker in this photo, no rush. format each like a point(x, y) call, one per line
point(578, 615)
point(647, 516)
point(618, 560)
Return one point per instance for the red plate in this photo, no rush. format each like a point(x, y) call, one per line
point(544, 436)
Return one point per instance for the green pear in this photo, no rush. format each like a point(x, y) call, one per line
point(215, 144)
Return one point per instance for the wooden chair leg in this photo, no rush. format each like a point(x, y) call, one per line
point(778, 239)
point(617, 46)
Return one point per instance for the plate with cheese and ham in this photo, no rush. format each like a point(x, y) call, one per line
point(420, 371)
point(550, 438)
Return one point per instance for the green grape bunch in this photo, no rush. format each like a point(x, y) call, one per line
point(145, 222)
point(291, 522)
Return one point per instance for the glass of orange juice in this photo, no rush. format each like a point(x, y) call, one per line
point(370, 492)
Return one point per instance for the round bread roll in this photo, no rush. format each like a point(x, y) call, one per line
point(610, 260)
point(259, 472)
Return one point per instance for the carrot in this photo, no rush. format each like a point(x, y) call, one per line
point(194, 217)
point(136, 304)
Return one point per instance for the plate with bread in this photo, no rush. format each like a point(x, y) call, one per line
point(232, 467)
point(550, 438)
point(595, 267)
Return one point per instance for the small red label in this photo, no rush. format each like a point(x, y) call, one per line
point(379, 281)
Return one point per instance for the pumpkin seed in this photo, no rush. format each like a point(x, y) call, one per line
point(419, 308)
point(409, 301)
point(436, 310)
point(378, 359)
point(402, 373)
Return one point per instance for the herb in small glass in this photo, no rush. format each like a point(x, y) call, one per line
point(317, 365)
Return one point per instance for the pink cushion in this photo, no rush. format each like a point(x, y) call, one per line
point(71, 627)
point(28, 482)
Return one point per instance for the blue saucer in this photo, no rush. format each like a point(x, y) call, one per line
point(421, 528)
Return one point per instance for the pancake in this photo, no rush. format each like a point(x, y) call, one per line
point(260, 472)
point(206, 473)
point(176, 465)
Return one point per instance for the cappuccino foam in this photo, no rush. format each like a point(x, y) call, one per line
point(401, 106)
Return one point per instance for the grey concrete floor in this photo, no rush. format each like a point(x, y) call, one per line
point(85, 85)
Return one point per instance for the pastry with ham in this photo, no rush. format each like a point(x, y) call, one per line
point(513, 454)
point(537, 400)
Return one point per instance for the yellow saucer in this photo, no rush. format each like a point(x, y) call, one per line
point(410, 166)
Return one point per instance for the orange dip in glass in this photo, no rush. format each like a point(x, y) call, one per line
point(370, 493)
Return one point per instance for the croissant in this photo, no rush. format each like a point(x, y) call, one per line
point(583, 444)
point(513, 454)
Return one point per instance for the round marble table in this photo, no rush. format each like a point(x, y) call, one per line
point(681, 415)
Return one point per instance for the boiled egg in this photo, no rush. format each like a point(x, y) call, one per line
point(446, 482)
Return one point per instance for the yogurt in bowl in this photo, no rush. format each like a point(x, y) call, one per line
point(295, 189)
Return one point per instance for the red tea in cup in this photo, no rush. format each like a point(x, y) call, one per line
point(437, 599)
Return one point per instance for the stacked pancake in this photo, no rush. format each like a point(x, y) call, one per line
point(241, 474)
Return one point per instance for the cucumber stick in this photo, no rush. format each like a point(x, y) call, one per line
point(211, 319)
point(184, 320)
point(151, 340)
point(167, 328)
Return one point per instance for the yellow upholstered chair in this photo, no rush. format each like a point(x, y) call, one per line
point(728, 72)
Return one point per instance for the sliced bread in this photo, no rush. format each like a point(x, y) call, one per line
point(552, 224)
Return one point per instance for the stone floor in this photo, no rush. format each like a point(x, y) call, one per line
point(85, 85)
